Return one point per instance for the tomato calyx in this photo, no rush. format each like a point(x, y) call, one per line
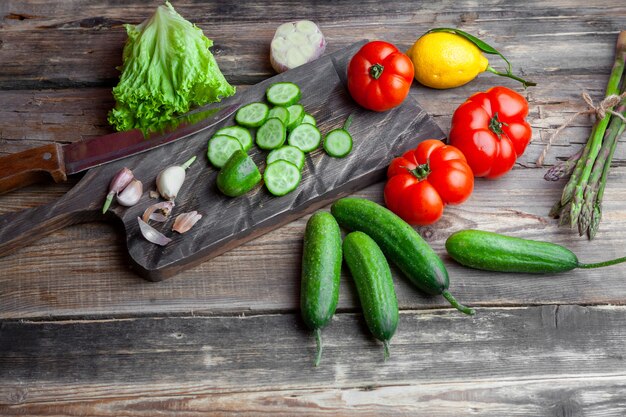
point(376, 71)
point(495, 125)
point(421, 171)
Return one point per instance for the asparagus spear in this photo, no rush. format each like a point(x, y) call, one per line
point(595, 141)
point(563, 168)
point(596, 214)
point(601, 164)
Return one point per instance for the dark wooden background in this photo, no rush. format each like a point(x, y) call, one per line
point(80, 334)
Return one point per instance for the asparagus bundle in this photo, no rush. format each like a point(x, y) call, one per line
point(581, 201)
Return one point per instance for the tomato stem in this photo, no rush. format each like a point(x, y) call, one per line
point(510, 75)
point(376, 71)
point(495, 125)
point(421, 171)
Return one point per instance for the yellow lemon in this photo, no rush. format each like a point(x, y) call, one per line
point(445, 60)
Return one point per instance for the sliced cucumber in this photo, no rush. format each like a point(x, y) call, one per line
point(309, 119)
point(338, 143)
point(283, 94)
point(296, 114)
point(271, 134)
point(221, 147)
point(242, 134)
point(306, 137)
point(280, 113)
point(252, 115)
point(281, 177)
point(289, 154)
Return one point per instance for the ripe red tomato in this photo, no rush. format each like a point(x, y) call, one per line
point(490, 130)
point(424, 179)
point(379, 76)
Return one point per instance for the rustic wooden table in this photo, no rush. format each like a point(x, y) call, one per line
point(81, 335)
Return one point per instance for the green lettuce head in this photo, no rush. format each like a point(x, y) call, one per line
point(167, 69)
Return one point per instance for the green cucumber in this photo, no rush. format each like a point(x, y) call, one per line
point(402, 245)
point(238, 175)
point(372, 277)
point(252, 115)
point(309, 119)
point(283, 94)
point(220, 148)
point(280, 113)
point(495, 252)
point(296, 114)
point(289, 154)
point(281, 177)
point(271, 134)
point(321, 269)
point(242, 134)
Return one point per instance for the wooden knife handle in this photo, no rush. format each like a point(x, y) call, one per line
point(30, 166)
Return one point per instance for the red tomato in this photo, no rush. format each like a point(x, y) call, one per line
point(379, 76)
point(425, 179)
point(490, 130)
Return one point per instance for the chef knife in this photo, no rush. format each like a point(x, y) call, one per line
point(58, 161)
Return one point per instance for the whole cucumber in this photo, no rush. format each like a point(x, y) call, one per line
point(321, 270)
point(372, 277)
point(402, 245)
point(490, 251)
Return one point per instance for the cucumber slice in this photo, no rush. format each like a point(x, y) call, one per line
point(287, 153)
point(306, 137)
point(283, 94)
point(242, 134)
point(221, 147)
point(252, 115)
point(281, 177)
point(271, 135)
point(338, 143)
point(296, 114)
point(309, 119)
point(280, 113)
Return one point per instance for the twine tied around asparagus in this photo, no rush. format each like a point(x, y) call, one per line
point(600, 111)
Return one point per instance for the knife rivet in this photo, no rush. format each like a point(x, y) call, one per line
point(47, 156)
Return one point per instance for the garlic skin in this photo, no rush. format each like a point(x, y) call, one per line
point(151, 234)
point(120, 181)
point(185, 221)
point(171, 179)
point(131, 194)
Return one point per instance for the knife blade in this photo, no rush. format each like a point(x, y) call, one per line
point(58, 161)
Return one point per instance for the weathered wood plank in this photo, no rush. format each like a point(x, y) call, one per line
point(599, 396)
point(82, 270)
point(517, 356)
point(242, 33)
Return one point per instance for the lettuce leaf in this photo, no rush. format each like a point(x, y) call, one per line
point(167, 68)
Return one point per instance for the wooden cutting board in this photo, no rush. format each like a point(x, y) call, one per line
point(229, 222)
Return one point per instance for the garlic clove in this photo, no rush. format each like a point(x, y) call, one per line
point(131, 194)
point(170, 180)
point(123, 177)
point(185, 221)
